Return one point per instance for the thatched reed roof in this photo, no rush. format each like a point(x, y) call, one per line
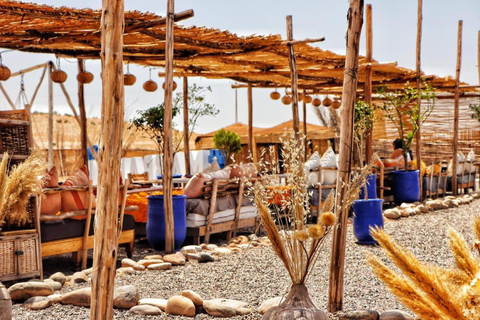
point(199, 51)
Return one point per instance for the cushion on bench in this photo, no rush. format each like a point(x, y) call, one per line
point(71, 228)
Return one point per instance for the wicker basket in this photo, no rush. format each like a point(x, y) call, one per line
point(14, 137)
point(20, 256)
point(7, 262)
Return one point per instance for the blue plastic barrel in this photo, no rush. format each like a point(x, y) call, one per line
point(368, 213)
point(371, 185)
point(156, 221)
point(405, 186)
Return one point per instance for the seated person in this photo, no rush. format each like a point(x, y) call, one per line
point(396, 159)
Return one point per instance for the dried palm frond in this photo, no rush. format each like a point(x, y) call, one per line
point(476, 225)
point(22, 182)
point(449, 291)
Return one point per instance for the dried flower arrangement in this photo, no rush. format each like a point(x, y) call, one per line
point(17, 187)
point(297, 244)
point(432, 292)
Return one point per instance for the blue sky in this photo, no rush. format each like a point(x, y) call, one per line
point(394, 39)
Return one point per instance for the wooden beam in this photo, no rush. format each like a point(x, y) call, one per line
point(457, 107)
point(418, 137)
point(368, 80)
point(294, 42)
point(250, 121)
point(106, 217)
point(167, 140)
point(187, 14)
point(337, 263)
point(10, 102)
point(305, 125)
point(83, 116)
point(186, 133)
point(478, 59)
point(292, 61)
point(23, 71)
point(50, 117)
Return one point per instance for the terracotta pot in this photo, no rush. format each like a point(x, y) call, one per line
point(84, 77)
point(150, 86)
point(327, 102)
point(275, 95)
point(316, 102)
point(59, 76)
point(4, 73)
point(297, 305)
point(129, 79)
point(336, 104)
point(286, 100)
point(307, 99)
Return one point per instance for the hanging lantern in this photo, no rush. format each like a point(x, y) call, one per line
point(336, 104)
point(84, 77)
point(327, 102)
point(275, 95)
point(174, 86)
point(4, 71)
point(129, 79)
point(150, 86)
point(59, 76)
point(316, 102)
point(286, 100)
point(307, 99)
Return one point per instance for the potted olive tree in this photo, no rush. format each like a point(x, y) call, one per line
point(402, 109)
point(368, 209)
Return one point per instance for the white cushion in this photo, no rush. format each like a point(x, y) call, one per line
point(198, 220)
point(310, 164)
point(329, 159)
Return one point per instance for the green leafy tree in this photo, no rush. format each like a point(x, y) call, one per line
point(475, 108)
point(363, 123)
point(401, 107)
point(228, 142)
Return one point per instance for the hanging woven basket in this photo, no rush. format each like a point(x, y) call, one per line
point(307, 99)
point(286, 100)
point(129, 79)
point(275, 95)
point(316, 102)
point(336, 104)
point(4, 73)
point(174, 86)
point(150, 86)
point(85, 77)
point(327, 102)
point(59, 76)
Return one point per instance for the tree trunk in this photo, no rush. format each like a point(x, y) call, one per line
point(106, 218)
point(297, 305)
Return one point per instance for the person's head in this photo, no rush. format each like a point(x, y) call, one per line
point(398, 144)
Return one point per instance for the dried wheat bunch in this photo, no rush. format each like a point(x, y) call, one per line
point(429, 291)
point(17, 187)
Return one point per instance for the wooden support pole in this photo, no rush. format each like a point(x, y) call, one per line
point(167, 139)
point(186, 133)
point(50, 117)
point(292, 61)
point(34, 95)
point(10, 102)
point(305, 124)
point(456, 112)
point(83, 117)
point(110, 153)
point(418, 137)
point(23, 71)
point(250, 120)
point(337, 263)
point(368, 80)
point(478, 60)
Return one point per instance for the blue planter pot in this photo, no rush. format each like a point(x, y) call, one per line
point(156, 221)
point(405, 186)
point(371, 185)
point(368, 213)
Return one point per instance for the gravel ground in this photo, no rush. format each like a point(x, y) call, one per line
point(256, 274)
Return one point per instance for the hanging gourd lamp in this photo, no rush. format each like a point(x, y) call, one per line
point(128, 78)
point(58, 76)
point(336, 103)
point(150, 85)
point(316, 102)
point(286, 99)
point(307, 99)
point(327, 102)
point(84, 77)
point(300, 96)
point(174, 86)
point(275, 95)
point(4, 71)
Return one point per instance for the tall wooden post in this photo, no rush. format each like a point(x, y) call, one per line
point(305, 124)
point(186, 133)
point(292, 60)
point(50, 116)
point(418, 136)
point(456, 114)
point(478, 53)
point(167, 141)
point(368, 80)
point(110, 152)
point(83, 116)
point(250, 121)
point(337, 263)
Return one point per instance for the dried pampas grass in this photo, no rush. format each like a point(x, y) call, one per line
point(17, 187)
